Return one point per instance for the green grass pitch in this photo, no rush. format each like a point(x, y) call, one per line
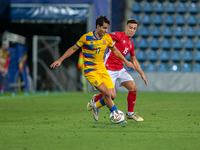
point(62, 122)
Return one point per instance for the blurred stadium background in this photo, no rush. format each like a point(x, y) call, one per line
point(167, 43)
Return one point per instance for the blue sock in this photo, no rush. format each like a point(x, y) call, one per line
point(113, 108)
point(102, 102)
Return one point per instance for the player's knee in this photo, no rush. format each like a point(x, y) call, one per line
point(106, 95)
point(134, 88)
point(113, 96)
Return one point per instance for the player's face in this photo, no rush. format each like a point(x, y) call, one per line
point(102, 29)
point(130, 29)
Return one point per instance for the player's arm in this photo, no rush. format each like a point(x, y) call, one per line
point(138, 68)
point(67, 54)
point(117, 53)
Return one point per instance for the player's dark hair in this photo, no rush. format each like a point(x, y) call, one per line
point(134, 21)
point(101, 19)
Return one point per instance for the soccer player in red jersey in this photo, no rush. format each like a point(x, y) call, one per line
point(115, 67)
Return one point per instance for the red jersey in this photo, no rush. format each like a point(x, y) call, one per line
point(124, 45)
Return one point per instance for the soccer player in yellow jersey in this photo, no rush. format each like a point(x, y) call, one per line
point(4, 62)
point(93, 46)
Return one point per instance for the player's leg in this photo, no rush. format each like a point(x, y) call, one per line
point(106, 95)
point(131, 99)
point(106, 100)
point(95, 98)
point(127, 81)
point(103, 83)
point(98, 97)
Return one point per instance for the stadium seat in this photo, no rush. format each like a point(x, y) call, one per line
point(194, 1)
point(170, 8)
point(161, 0)
point(167, 32)
point(136, 17)
point(136, 8)
point(128, 57)
point(164, 56)
point(157, 20)
point(134, 42)
point(174, 67)
point(146, 19)
point(199, 20)
point(151, 67)
point(186, 67)
point(155, 32)
point(175, 56)
point(198, 44)
point(191, 20)
point(152, 56)
point(169, 20)
point(144, 31)
point(190, 32)
point(193, 8)
point(180, 20)
point(141, 56)
point(154, 44)
point(198, 32)
point(136, 34)
point(177, 44)
point(172, 0)
point(162, 67)
point(147, 8)
point(196, 68)
point(142, 66)
point(166, 44)
point(187, 56)
point(178, 32)
point(197, 56)
point(188, 44)
point(183, 0)
point(181, 8)
point(143, 44)
point(158, 8)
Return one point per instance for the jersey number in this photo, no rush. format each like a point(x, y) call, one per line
point(98, 50)
point(125, 51)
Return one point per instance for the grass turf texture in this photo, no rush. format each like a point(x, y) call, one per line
point(62, 122)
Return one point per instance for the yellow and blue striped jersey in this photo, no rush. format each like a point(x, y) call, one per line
point(93, 50)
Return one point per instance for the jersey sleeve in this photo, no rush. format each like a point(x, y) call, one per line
point(81, 41)
point(110, 42)
point(114, 36)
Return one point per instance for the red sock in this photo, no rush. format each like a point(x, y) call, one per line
point(131, 98)
point(98, 97)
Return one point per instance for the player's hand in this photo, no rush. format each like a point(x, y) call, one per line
point(144, 78)
point(130, 65)
point(55, 64)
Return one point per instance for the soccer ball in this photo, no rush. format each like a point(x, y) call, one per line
point(117, 117)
